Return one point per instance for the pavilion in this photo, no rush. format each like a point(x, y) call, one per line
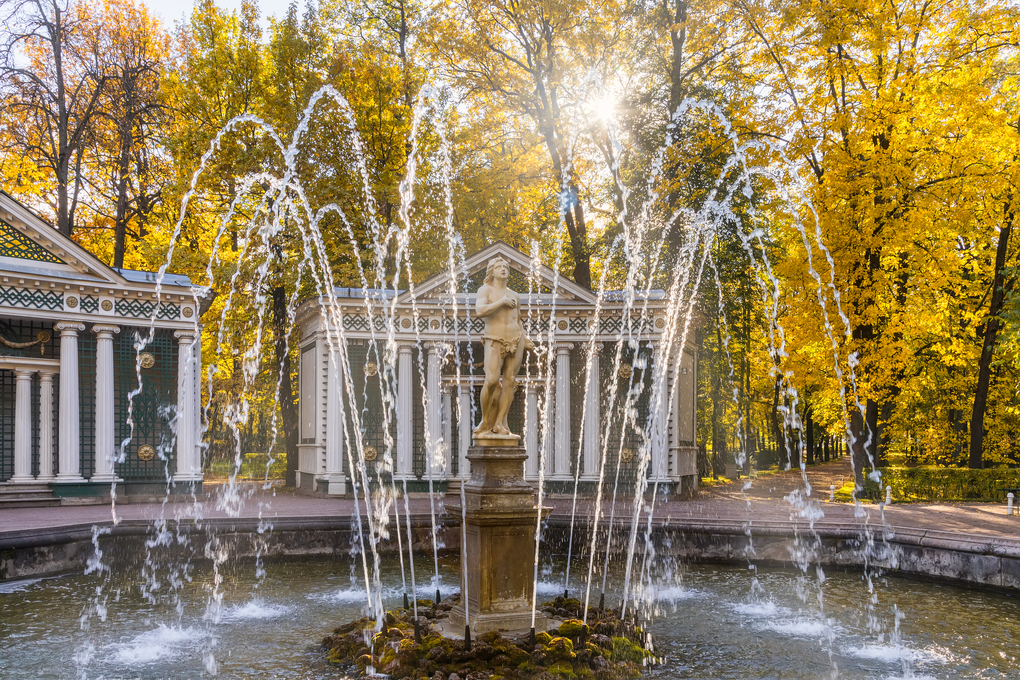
point(430, 442)
point(70, 370)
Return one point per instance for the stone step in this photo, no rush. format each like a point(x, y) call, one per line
point(27, 496)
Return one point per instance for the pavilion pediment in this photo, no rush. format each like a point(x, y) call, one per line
point(30, 246)
point(525, 275)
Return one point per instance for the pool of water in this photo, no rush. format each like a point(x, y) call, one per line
point(713, 622)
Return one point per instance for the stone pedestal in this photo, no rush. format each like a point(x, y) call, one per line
point(498, 572)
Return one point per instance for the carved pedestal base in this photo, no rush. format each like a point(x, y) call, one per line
point(498, 571)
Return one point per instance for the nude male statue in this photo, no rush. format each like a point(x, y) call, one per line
point(504, 345)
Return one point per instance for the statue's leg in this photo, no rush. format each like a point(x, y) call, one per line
point(490, 388)
point(511, 368)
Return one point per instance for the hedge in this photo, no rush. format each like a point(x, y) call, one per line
point(933, 484)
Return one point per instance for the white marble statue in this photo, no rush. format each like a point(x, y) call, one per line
point(504, 343)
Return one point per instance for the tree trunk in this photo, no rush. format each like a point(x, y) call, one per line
point(126, 132)
point(782, 455)
point(288, 409)
point(977, 419)
point(810, 437)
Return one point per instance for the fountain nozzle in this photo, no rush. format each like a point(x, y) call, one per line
point(438, 598)
point(467, 638)
point(407, 605)
point(417, 631)
point(531, 640)
point(602, 602)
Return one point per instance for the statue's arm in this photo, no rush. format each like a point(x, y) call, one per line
point(483, 307)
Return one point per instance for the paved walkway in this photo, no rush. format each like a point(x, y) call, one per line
point(724, 505)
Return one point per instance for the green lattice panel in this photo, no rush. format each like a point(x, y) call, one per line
point(89, 304)
point(577, 392)
point(87, 402)
point(32, 299)
point(631, 434)
point(142, 309)
point(368, 395)
point(153, 407)
point(7, 394)
point(15, 244)
point(27, 330)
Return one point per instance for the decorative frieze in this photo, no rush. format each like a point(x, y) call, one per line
point(31, 299)
point(142, 309)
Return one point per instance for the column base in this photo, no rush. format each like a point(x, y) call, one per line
point(510, 622)
point(25, 479)
point(336, 485)
point(108, 478)
point(70, 479)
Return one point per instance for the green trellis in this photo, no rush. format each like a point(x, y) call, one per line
point(15, 244)
point(154, 407)
point(368, 400)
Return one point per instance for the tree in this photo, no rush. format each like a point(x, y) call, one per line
point(134, 48)
point(538, 60)
point(52, 78)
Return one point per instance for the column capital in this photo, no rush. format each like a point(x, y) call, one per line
point(69, 328)
point(24, 373)
point(185, 336)
point(563, 348)
point(405, 347)
point(46, 376)
point(595, 348)
point(105, 329)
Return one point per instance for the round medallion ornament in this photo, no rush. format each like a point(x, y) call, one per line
point(626, 370)
point(43, 336)
point(627, 455)
point(371, 368)
point(405, 322)
point(148, 361)
point(660, 323)
point(146, 452)
point(72, 302)
point(107, 305)
point(562, 325)
point(187, 312)
point(371, 453)
point(434, 324)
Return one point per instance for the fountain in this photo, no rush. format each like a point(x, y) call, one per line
point(498, 621)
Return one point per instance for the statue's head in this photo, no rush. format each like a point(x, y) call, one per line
point(494, 264)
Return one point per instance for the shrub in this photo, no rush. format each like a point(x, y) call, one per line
point(936, 484)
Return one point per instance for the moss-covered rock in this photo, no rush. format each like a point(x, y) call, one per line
point(391, 648)
point(571, 629)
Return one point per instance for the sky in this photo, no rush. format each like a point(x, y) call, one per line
point(171, 11)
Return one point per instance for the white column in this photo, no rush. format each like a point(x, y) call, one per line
point(105, 454)
point(405, 411)
point(593, 416)
point(45, 426)
point(23, 427)
point(188, 469)
point(447, 416)
point(561, 431)
point(69, 469)
point(334, 427)
point(658, 443)
point(434, 445)
point(464, 433)
point(531, 429)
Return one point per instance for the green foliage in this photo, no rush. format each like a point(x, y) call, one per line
point(937, 484)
